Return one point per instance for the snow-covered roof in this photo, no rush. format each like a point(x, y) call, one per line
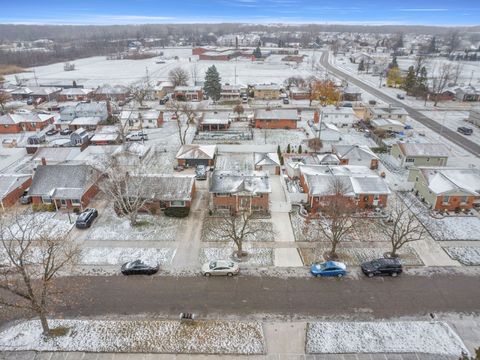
point(335, 110)
point(222, 117)
point(423, 150)
point(196, 151)
point(276, 114)
point(9, 182)
point(268, 87)
point(76, 91)
point(86, 120)
point(358, 180)
point(61, 181)
point(55, 155)
point(10, 119)
point(357, 152)
point(445, 180)
point(113, 90)
point(133, 148)
point(263, 159)
point(188, 88)
point(328, 159)
point(167, 187)
point(386, 122)
point(238, 182)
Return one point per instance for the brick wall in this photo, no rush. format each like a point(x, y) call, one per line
point(454, 202)
point(13, 196)
point(276, 124)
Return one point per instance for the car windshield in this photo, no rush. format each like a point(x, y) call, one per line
point(376, 263)
point(213, 265)
point(320, 266)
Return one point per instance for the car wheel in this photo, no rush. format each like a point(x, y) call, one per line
point(370, 275)
point(318, 275)
point(340, 275)
point(394, 274)
point(230, 274)
point(207, 274)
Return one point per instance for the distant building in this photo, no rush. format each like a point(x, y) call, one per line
point(75, 94)
point(276, 118)
point(267, 92)
point(188, 93)
point(411, 154)
point(17, 123)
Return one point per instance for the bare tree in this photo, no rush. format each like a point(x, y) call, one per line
point(178, 76)
point(420, 61)
point(124, 187)
point(185, 115)
point(34, 255)
point(237, 227)
point(336, 220)
point(440, 80)
point(453, 40)
point(457, 71)
point(4, 98)
point(140, 92)
point(401, 227)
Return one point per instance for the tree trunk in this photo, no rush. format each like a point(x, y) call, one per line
point(393, 253)
point(44, 322)
point(133, 219)
point(333, 250)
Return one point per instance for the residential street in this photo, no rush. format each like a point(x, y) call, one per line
point(453, 136)
point(250, 296)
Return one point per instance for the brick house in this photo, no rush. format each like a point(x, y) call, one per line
point(188, 93)
point(356, 155)
point(351, 93)
point(299, 93)
point(164, 191)
point(64, 186)
point(12, 188)
point(37, 94)
point(366, 189)
point(214, 121)
point(267, 92)
point(240, 191)
point(75, 94)
point(196, 154)
point(248, 158)
point(108, 92)
point(232, 92)
point(276, 118)
point(443, 188)
point(386, 112)
point(17, 123)
point(141, 119)
point(411, 154)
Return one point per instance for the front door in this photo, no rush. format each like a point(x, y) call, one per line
point(244, 203)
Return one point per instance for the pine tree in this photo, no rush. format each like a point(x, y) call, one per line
point(213, 85)
point(394, 63)
point(279, 153)
point(410, 82)
point(361, 66)
point(257, 53)
point(432, 47)
point(300, 149)
point(422, 82)
point(289, 150)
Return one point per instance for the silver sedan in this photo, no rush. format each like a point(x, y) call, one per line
point(220, 267)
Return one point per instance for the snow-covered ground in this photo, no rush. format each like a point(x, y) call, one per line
point(171, 337)
point(467, 255)
point(207, 235)
point(257, 257)
point(383, 337)
point(117, 256)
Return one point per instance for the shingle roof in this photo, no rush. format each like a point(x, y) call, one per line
point(276, 114)
point(236, 182)
point(196, 151)
point(10, 182)
point(423, 150)
point(167, 187)
point(448, 180)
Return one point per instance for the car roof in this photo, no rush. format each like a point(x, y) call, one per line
point(335, 264)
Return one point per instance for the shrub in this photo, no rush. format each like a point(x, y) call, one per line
point(179, 212)
point(43, 207)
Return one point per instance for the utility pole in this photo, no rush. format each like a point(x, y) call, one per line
point(35, 76)
point(471, 77)
point(148, 78)
point(235, 71)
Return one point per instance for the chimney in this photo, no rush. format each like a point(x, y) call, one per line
point(316, 117)
point(44, 162)
point(160, 119)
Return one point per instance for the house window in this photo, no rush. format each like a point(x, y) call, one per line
point(445, 199)
point(32, 123)
point(63, 202)
point(365, 198)
point(5, 126)
point(76, 202)
point(463, 199)
point(46, 199)
point(221, 195)
point(409, 160)
point(376, 197)
point(416, 178)
point(177, 203)
point(428, 159)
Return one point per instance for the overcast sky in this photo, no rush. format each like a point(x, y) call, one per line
point(429, 12)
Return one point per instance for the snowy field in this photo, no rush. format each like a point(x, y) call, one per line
point(257, 257)
point(468, 255)
point(95, 71)
point(118, 256)
point(383, 337)
point(171, 337)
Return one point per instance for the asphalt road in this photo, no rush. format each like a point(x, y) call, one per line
point(247, 295)
point(453, 136)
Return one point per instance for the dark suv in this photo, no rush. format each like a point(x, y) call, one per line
point(465, 130)
point(376, 267)
point(85, 219)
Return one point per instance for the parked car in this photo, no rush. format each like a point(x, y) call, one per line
point(66, 132)
point(51, 132)
point(244, 99)
point(329, 268)
point(136, 136)
point(400, 96)
point(372, 102)
point(392, 267)
point(465, 130)
point(164, 100)
point(85, 219)
point(138, 267)
point(201, 172)
point(286, 101)
point(220, 267)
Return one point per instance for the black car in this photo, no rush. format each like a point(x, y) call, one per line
point(51, 132)
point(392, 267)
point(66, 132)
point(465, 130)
point(85, 219)
point(138, 267)
point(164, 100)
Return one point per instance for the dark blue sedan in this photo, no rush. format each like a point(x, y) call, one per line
point(329, 268)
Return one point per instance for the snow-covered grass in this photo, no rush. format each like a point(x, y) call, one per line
point(467, 255)
point(383, 337)
point(154, 227)
point(449, 228)
point(117, 256)
point(356, 255)
point(268, 235)
point(172, 337)
point(257, 257)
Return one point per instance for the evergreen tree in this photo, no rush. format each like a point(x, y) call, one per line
point(257, 53)
point(289, 149)
point(279, 153)
point(394, 63)
point(361, 66)
point(300, 149)
point(212, 85)
point(422, 82)
point(432, 47)
point(410, 82)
